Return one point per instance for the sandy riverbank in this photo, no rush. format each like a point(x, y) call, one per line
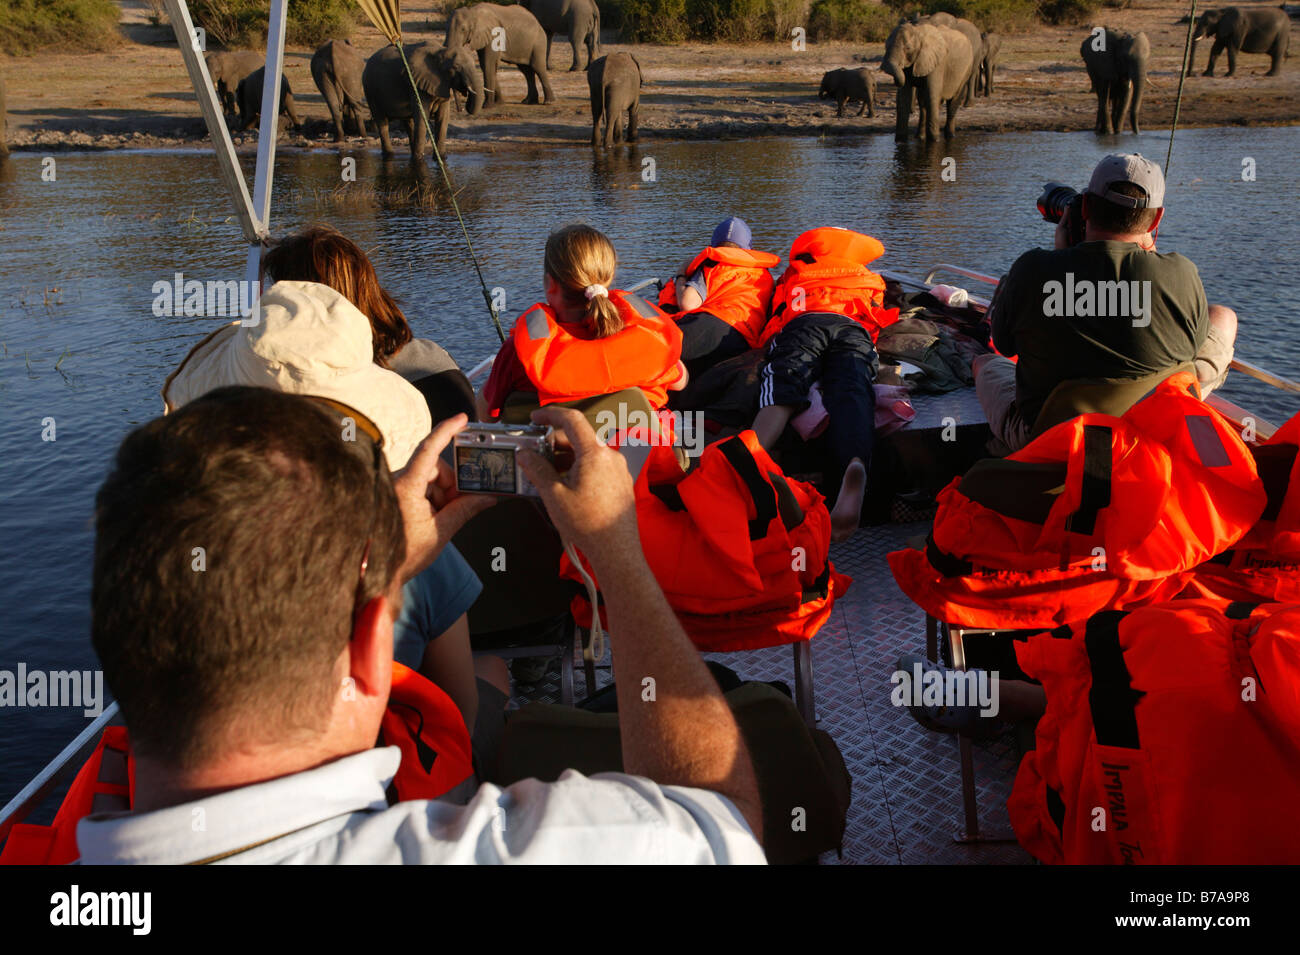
point(138, 96)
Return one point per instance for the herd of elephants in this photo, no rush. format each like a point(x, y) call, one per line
point(937, 61)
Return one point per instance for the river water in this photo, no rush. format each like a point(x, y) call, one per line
point(80, 344)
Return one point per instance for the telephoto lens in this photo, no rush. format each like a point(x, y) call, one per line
point(1055, 200)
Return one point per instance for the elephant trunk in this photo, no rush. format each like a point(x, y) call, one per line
point(892, 70)
point(473, 100)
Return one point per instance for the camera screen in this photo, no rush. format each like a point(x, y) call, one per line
point(486, 470)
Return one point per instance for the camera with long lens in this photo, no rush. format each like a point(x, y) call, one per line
point(1058, 202)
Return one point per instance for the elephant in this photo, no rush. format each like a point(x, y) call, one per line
point(992, 46)
point(1245, 30)
point(1117, 66)
point(248, 94)
point(579, 19)
point(615, 85)
point(972, 34)
point(934, 63)
point(227, 68)
point(439, 73)
point(502, 34)
point(846, 84)
point(336, 67)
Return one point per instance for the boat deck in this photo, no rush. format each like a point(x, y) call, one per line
point(906, 805)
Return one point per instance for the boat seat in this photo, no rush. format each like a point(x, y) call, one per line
point(1112, 396)
point(524, 607)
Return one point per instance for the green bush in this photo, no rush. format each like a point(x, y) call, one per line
point(27, 25)
point(1068, 11)
point(656, 21)
point(858, 21)
point(1003, 16)
point(244, 22)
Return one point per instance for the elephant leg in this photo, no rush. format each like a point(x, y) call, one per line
point(1103, 116)
point(487, 62)
point(863, 106)
point(440, 131)
point(544, 78)
point(1119, 105)
point(530, 78)
point(950, 127)
point(1276, 54)
point(903, 113)
point(549, 36)
point(575, 42)
point(593, 44)
point(839, 104)
point(385, 138)
point(1135, 107)
point(415, 132)
point(1214, 55)
point(336, 110)
point(597, 109)
point(632, 111)
point(1232, 59)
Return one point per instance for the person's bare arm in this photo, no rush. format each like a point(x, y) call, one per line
point(683, 378)
point(675, 725)
point(449, 662)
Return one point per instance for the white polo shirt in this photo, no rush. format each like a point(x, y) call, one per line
point(337, 814)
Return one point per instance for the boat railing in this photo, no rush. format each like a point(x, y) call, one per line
point(66, 764)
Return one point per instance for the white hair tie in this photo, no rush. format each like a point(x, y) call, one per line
point(591, 291)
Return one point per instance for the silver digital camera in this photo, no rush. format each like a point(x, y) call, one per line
point(486, 454)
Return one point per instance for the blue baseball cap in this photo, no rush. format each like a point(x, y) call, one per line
point(734, 230)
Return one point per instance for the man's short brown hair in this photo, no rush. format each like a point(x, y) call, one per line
point(1110, 217)
point(229, 539)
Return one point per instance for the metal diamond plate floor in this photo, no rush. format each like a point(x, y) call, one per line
point(906, 805)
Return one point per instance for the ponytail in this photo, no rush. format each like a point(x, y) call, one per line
point(582, 260)
point(603, 316)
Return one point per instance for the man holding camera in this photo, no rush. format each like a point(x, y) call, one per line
point(1102, 304)
point(253, 691)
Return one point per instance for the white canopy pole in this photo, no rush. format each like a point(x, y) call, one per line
point(250, 223)
point(267, 134)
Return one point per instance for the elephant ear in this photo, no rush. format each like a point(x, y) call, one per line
point(640, 76)
point(928, 56)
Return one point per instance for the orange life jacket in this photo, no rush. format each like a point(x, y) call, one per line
point(1171, 736)
point(564, 367)
point(1096, 513)
point(1265, 564)
point(740, 288)
point(740, 551)
point(828, 273)
point(421, 720)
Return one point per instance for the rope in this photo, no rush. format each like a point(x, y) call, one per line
point(593, 597)
point(1182, 76)
point(446, 178)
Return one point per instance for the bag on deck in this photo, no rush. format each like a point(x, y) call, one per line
point(802, 780)
point(740, 551)
point(1096, 513)
point(1265, 564)
point(1172, 736)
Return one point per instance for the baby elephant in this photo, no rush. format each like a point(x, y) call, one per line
point(842, 85)
point(615, 84)
point(249, 97)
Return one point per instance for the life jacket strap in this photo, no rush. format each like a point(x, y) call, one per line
point(1094, 494)
point(1111, 698)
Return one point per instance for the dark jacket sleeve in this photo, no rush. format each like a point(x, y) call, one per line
point(1002, 310)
